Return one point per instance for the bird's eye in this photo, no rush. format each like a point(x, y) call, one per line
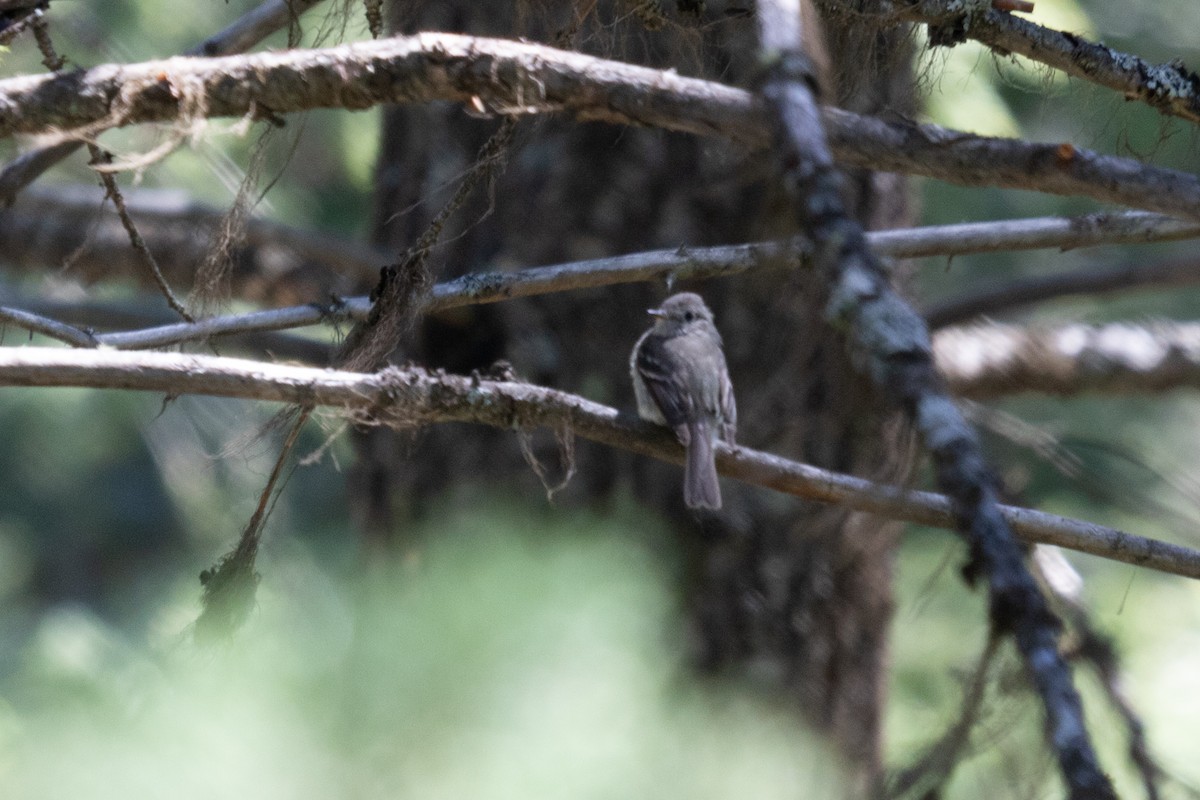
point(688, 316)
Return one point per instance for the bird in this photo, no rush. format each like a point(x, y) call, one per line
point(681, 381)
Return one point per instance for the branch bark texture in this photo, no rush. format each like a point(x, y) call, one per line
point(413, 397)
point(891, 343)
point(506, 78)
point(983, 361)
point(1170, 88)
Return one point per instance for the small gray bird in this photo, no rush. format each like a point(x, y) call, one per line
point(681, 381)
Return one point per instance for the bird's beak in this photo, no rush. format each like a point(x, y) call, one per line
point(656, 312)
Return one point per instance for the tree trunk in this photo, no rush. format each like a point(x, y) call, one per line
point(800, 595)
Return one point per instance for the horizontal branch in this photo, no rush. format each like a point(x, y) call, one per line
point(416, 397)
point(489, 287)
point(507, 77)
point(50, 227)
point(983, 361)
point(1170, 88)
point(1090, 280)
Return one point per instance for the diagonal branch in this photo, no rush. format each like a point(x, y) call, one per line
point(413, 397)
point(511, 78)
point(1170, 88)
point(890, 342)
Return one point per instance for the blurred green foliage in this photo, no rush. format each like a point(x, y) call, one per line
point(521, 650)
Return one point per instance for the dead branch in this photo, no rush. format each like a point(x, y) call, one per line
point(1170, 88)
point(890, 342)
point(988, 360)
point(1090, 280)
point(412, 397)
point(510, 78)
point(278, 264)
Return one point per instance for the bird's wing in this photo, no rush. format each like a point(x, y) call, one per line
point(654, 364)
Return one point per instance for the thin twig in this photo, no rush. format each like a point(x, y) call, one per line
point(677, 263)
point(45, 226)
point(14, 26)
point(113, 192)
point(49, 327)
point(413, 397)
point(404, 288)
point(934, 767)
point(229, 586)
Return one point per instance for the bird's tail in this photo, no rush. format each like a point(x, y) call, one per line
point(700, 486)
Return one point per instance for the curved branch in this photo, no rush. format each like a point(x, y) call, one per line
point(509, 78)
point(413, 397)
point(982, 361)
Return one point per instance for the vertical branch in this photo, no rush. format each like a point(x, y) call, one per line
point(890, 342)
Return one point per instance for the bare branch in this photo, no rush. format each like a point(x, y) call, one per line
point(113, 193)
point(1170, 88)
point(890, 342)
point(1064, 233)
point(983, 361)
point(679, 264)
point(413, 397)
point(1090, 280)
point(239, 37)
point(252, 27)
point(520, 78)
point(48, 327)
point(277, 262)
point(18, 20)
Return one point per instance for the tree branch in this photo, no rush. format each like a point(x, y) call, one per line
point(1170, 88)
point(1091, 280)
point(981, 362)
point(24, 236)
point(890, 343)
point(984, 361)
point(243, 34)
point(509, 78)
point(276, 262)
point(413, 397)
